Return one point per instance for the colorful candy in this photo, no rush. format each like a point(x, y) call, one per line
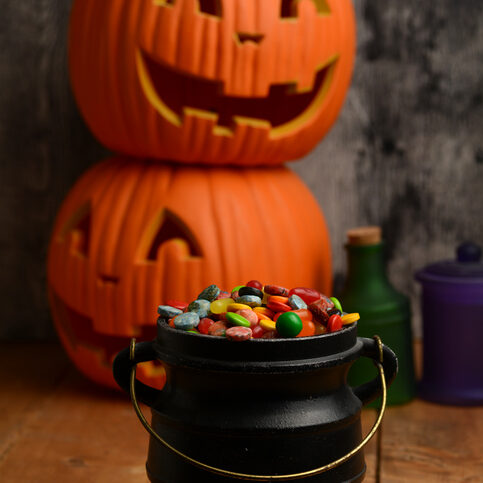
point(254, 311)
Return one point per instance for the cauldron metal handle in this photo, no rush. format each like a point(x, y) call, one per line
point(374, 349)
point(134, 385)
point(125, 362)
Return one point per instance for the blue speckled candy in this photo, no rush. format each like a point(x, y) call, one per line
point(186, 321)
point(250, 300)
point(168, 312)
point(296, 302)
point(200, 307)
point(209, 293)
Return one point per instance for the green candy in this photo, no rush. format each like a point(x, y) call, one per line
point(237, 319)
point(289, 324)
point(337, 304)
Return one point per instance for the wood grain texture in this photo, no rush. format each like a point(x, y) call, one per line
point(406, 153)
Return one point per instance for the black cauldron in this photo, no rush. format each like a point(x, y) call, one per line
point(263, 407)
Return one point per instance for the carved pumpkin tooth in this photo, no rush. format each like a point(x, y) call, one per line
point(135, 70)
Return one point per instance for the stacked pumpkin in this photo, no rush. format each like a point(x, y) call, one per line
point(207, 98)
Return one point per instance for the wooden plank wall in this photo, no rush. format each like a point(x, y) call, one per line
point(406, 153)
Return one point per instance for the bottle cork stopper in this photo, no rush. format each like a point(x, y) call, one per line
point(364, 235)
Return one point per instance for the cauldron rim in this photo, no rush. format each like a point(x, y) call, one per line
point(256, 355)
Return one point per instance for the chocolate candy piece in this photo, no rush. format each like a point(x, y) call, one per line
point(250, 291)
point(289, 324)
point(239, 333)
point(237, 319)
point(186, 321)
point(168, 312)
point(275, 290)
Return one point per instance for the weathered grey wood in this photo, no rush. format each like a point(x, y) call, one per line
point(44, 147)
point(406, 153)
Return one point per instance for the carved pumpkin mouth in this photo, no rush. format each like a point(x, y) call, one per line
point(175, 94)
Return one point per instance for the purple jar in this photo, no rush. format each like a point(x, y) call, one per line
point(452, 309)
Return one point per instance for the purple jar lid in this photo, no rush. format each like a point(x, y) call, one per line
point(467, 268)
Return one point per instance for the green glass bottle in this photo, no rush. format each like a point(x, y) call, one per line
point(383, 311)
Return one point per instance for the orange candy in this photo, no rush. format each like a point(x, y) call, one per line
point(308, 329)
point(278, 298)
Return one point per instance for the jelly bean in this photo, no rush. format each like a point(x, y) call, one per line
point(257, 332)
point(267, 324)
point(201, 307)
point(296, 302)
point(334, 324)
point(218, 329)
point(209, 293)
point(275, 290)
point(308, 295)
point(289, 324)
point(186, 321)
point(261, 316)
point(237, 319)
point(255, 284)
point(177, 304)
point(235, 306)
point(264, 311)
point(223, 295)
point(250, 291)
point(333, 311)
point(250, 300)
point(278, 298)
point(308, 328)
point(204, 325)
point(304, 314)
point(168, 312)
point(238, 333)
point(250, 315)
point(350, 318)
point(336, 303)
point(278, 307)
point(220, 306)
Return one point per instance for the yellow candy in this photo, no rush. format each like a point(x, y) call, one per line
point(268, 324)
point(220, 306)
point(233, 307)
point(350, 318)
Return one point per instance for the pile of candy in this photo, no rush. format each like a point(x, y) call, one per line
point(255, 311)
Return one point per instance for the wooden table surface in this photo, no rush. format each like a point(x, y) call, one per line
point(56, 426)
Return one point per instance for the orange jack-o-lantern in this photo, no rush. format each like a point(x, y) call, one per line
point(245, 82)
point(131, 235)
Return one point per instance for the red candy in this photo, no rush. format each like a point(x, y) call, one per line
point(218, 329)
point(238, 333)
point(319, 309)
point(275, 290)
point(278, 307)
point(177, 304)
point(258, 332)
point(205, 325)
point(255, 284)
point(308, 295)
point(335, 323)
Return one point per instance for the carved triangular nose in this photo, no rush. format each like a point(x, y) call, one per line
point(243, 37)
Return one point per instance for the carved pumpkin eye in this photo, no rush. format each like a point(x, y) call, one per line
point(79, 229)
point(210, 7)
point(289, 8)
point(171, 227)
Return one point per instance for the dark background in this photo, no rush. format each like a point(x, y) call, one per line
point(406, 153)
